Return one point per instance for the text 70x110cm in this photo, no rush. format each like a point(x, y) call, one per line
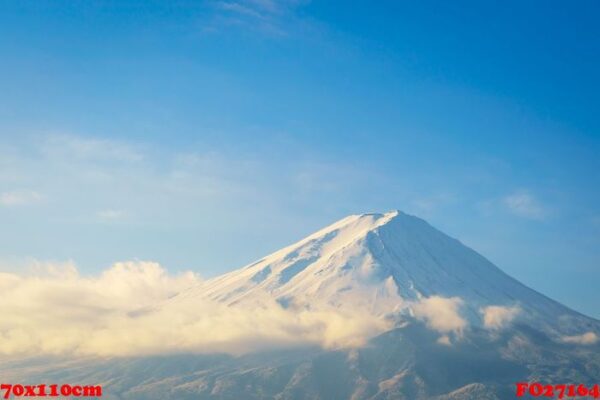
point(53, 390)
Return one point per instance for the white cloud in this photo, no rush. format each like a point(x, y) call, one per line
point(440, 313)
point(19, 198)
point(267, 16)
point(71, 147)
point(524, 205)
point(587, 338)
point(260, 8)
point(444, 340)
point(130, 309)
point(429, 205)
point(110, 215)
point(497, 317)
point(237, 7)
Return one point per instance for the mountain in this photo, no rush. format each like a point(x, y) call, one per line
point(386, 263)
point(456, 326)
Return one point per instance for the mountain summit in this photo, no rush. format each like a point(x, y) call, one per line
point(388, 263)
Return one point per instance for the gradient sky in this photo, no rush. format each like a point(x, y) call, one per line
point(204, 135)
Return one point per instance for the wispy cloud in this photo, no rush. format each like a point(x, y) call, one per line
point(498, 317)
point(88, 148)
point(524, 204)
point(19, 198)
point(441, 314)
point(587, 338)
point(428, 205)
point(242, 9)
point(111, 215)
point(104, 179)
point(268, 16)
point(260, 8)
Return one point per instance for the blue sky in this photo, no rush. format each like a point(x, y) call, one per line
point(204, 135)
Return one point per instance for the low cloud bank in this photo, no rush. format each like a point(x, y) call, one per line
point(132, 309)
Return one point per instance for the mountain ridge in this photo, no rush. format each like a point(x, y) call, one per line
point(385, 262)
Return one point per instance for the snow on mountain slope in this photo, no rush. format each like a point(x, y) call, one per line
point(392, 264)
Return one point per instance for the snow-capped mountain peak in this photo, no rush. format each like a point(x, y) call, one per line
point(385, 263)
